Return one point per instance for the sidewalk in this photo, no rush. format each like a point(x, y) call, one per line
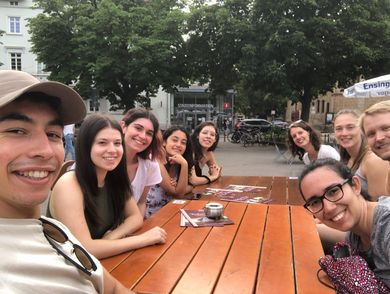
point(254, 161)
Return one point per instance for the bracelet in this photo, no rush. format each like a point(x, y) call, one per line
point(207, 178)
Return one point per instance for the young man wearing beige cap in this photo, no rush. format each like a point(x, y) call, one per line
point(39, 254)
point(375, 123)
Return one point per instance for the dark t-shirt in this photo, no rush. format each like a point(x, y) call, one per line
point(105, 212)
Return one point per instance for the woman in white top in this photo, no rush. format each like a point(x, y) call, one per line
point(305, 142)
point(143, 146)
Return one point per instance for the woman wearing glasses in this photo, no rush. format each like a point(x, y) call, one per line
point(305, 142)
point(355, 153)
point(332, 194)
point(95, 201)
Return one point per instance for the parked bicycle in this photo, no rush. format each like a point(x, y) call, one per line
point(255, 136)
point(235, 136)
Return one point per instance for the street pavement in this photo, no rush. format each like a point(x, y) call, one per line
point(255, 160)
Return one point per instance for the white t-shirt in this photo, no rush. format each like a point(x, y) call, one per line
point(325, 151)
point(29, 264)
point(68, 129)
point(147, 174)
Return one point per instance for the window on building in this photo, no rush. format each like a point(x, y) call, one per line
point(327, 107)
point(14, 24)
point(16, 61)
point(322, 106)
point(94, 105)
point(14, 3)
point(318, 106)
point(41, 68)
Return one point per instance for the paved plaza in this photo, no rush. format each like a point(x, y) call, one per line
point(254, 161)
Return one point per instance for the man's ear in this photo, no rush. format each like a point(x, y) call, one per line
point(356, 185)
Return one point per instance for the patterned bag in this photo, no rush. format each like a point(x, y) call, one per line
point(349, 272)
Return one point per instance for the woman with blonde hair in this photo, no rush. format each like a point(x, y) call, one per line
point(355, 153)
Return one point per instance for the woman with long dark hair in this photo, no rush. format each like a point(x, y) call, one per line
point(95, 201)
point(305, 142)
point(175, 170)
point(204, 141)
point(143, 149)
point(332, 194)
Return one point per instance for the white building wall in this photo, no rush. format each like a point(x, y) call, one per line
point(162, 107)
point(18, 42)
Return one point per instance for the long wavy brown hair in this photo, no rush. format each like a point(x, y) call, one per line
point(314, 137)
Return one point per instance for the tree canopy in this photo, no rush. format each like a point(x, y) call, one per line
point(124, 50)
point(300, 49)
point(268, 51)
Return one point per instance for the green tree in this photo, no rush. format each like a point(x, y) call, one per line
point(300, 49)
point(124, 50)
point(216, 34)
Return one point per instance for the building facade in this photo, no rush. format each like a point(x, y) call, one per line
point(325, 107)
point(15, 48)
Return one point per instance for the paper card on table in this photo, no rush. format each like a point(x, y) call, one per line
point(243, 197)
point(217, 192)
point(199, 218)
point(244, 188)
point(178, 201)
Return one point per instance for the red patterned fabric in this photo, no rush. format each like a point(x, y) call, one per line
point(350, 273)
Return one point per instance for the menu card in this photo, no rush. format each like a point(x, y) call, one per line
point(238, 193)
point(243, 188)
point(243, 197)
point(197, 218)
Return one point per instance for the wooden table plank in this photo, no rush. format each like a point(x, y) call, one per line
point(294, 196)
point(276, 271)
point(162, 276)
point(165, 214)
point(307, 251)
point(240, 269)
point(279, 190)
point(202, 274)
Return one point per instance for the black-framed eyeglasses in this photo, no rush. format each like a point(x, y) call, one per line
point(53, 232)
point(333, 194)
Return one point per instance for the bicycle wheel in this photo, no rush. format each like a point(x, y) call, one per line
point(234, 137)
point(246, 139)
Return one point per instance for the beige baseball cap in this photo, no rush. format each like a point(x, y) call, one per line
point(14, 83)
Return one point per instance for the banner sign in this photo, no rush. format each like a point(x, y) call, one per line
point(376, 87)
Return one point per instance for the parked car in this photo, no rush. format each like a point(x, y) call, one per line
point(280, 123)
point(251, 123)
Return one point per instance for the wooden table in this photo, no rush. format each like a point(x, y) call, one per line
point(268, 249)
point(281, 190)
